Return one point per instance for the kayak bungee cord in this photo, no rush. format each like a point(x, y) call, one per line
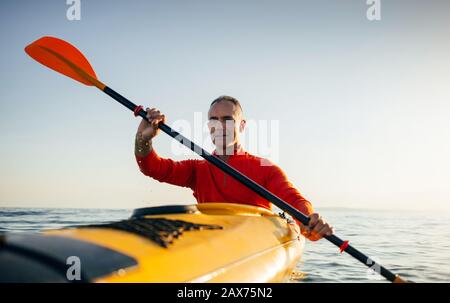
point(66, 59)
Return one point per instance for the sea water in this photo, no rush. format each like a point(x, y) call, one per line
point(413, 244)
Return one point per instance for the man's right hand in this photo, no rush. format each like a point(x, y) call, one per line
point(149, 127)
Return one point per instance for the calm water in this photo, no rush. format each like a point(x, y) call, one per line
point(414, 244)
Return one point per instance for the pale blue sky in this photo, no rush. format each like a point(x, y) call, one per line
point(363, 106)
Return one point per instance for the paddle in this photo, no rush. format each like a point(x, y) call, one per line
point(68, 60)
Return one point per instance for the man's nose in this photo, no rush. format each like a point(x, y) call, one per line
point(217, 126)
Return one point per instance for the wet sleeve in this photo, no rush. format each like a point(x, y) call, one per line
point(180, 173)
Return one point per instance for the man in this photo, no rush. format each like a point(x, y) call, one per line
point(210, 184)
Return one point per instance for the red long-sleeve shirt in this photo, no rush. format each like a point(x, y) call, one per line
point(210, 184)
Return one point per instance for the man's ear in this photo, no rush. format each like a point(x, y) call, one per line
point(242, 125)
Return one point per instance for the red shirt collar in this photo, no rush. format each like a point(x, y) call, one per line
point(239, 151)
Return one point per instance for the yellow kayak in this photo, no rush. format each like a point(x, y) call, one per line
point(207, 242)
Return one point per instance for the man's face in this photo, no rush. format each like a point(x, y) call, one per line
point(225, 124)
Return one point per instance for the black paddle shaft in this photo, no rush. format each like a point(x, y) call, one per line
point(251, 184)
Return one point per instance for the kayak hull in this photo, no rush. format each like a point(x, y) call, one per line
point(231, 243)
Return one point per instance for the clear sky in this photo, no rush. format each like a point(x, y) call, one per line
point(363, 106)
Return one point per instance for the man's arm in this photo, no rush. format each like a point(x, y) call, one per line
point(142, 146)
point(181, 173)
point(278, 183)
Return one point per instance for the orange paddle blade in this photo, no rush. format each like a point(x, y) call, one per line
point(64, 58)
point(398, 279)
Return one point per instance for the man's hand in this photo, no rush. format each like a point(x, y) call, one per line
point(147, 130)
point(317, 228)
point(149, 127)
